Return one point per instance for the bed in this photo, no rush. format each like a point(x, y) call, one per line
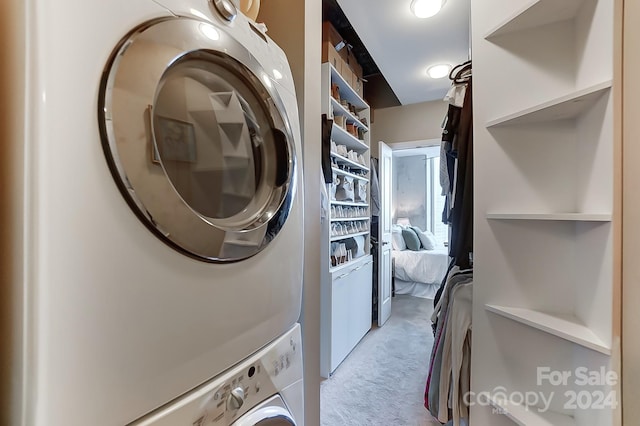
point(419, 273)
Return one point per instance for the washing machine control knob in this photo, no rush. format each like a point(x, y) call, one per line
point(226, 8)
point(235, 399)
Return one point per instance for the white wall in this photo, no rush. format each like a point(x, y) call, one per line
point(297, 27)
point(407, 123)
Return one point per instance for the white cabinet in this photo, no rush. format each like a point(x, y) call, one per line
point(350, 313)
point(347, 275)
point(547, 206)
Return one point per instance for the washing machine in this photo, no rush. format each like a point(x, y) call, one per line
point(265, 390)
point(163, 204)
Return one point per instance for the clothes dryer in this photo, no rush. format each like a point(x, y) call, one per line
point(163, 193)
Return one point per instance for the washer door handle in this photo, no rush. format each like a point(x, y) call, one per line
point(282, 154)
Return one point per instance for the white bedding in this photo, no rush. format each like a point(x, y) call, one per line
point(426, 291)
point(424, 266)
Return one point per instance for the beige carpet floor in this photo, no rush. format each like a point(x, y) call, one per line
point(381, 383)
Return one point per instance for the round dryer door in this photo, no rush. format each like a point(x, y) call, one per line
point(197, 139)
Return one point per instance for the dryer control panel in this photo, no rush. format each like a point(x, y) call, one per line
point(225, 398)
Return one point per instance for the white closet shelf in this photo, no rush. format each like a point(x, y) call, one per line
point(537, 13)
point(529, 416)
point(348, 203)
point(346, 92)
point(341, 137)
point(562, 108)
point(344, 173)
point(347, 219)
point(341, 110)
point(576, 217)
point(344, 237)
point(566, 327)
point(350, 163)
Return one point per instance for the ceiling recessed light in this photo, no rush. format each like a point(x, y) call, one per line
point(439, 71)
point(426, 8)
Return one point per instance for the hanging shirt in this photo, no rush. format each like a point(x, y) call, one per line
point(455, 95)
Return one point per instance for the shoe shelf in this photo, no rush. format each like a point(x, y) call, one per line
point(562, 108)
point(347, 162)
point(346, 92)
point(347, 219)
point(348, 203)
point(536, 13)
point(566, 327)
point(341, 137)
point(344, 237)
point(353, 175)
point(339, 109)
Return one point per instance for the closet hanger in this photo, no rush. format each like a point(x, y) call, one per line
point(462, 72)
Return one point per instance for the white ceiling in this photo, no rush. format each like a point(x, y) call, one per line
point(404, 46)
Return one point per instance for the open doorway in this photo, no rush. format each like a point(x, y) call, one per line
point(419, 264)
point(416, 178)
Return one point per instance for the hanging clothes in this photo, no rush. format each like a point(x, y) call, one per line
point(456, 166)
point(448, 379)
point(452, 326)
point(461, 219)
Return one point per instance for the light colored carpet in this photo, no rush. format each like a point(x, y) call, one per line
point(381, 383)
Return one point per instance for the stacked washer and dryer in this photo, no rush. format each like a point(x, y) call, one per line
point(164, 226)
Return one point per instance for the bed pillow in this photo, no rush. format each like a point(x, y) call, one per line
point(397, 241)
point(418, 231)
point(411, 239)
point(428, 240)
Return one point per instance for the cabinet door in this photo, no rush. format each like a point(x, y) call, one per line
point(360, 294)
point(340, 319)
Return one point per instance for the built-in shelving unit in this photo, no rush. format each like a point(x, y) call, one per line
point(347, 282)
point(546, 214)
